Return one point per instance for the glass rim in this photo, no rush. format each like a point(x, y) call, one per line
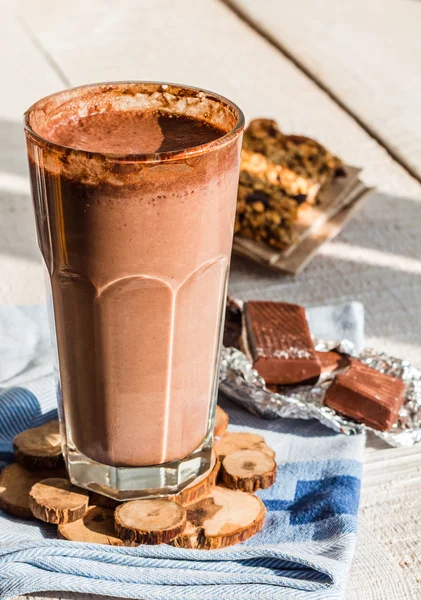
point(192, 151)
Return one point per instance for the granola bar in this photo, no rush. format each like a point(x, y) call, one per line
point(264, 212)
point(278, 174)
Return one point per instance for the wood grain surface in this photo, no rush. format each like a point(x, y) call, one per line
point(365, 52)
point(375, 260)
point(26, 77)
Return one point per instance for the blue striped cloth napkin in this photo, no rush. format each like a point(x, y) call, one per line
point(303, 551)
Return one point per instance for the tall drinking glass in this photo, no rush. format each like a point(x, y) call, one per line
point(137, 249)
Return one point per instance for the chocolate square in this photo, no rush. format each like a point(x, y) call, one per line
point(277, 340)
point(366, 395)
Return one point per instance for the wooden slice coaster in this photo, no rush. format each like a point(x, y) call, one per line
point(95, 527)
point(39, 448)
point(202, 486)
point(15, 484)
point(221, 422)
point(233, 442)
point(155, 521)
point(57, 500)
point(248, 470)
point(224, 518)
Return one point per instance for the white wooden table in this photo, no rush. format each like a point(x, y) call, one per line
point(345, 73)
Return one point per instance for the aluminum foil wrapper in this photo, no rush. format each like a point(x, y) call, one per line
point(242, 384)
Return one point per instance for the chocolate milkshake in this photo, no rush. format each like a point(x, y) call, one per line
point(134, 189)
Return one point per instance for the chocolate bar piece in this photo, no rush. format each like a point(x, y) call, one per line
point(367, 396)
point(331, 361)
point(277, 340)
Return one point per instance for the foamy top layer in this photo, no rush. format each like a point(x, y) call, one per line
point(119, 163)
point(133, 132)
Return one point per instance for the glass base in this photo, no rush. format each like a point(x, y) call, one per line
point(130, 483)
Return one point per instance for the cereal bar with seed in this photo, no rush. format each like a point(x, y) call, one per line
point(278, 174)
point(264, 212)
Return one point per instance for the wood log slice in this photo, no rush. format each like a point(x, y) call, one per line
point(242, 440)
point(202, 486)
point(248, 470)
point(56, 500)
point(226, 517)
point(156, 521)
point(15, 484)
point(39, 448)
point(221, 422)
point(95, 527)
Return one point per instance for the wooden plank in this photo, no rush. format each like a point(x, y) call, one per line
point(25, 74)
point(374, 575)
point(26, 77)
point(366, 53)
point(390, 507)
